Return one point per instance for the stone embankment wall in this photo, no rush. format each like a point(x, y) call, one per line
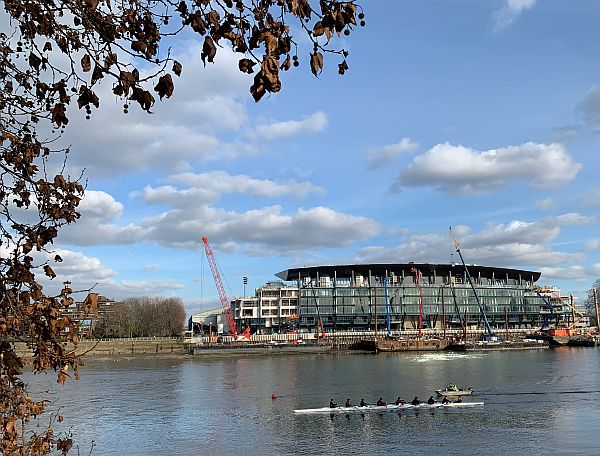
point(177, 346)
point(141, 345)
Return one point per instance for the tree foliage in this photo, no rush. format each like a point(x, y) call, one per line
point(53, 56)
point(145, 317)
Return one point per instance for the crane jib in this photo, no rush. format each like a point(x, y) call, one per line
point(220, 289)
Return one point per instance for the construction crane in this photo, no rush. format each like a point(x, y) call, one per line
point(222, 295)
point(418, 276)
point(481, 309)
point(577, 316)
point(549, 306)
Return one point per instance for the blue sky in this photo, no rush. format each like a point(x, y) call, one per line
point(481, 115)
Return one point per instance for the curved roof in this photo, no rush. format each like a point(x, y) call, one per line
point(379, 269)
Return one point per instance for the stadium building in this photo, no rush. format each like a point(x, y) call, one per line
point(430, 296)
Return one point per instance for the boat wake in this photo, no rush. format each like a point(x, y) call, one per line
point(434, 357)
point(529, 393)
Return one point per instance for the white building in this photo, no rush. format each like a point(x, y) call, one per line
point(209, 322)
point(273, 309)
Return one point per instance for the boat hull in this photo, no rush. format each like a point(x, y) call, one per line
point(260, 349)
point(400, 345)
point(553, 340)
point(388, 408)
point(527, 344)
point(451, 393)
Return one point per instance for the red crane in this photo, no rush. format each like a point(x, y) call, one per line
point(222, 295)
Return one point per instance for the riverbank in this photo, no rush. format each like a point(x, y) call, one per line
point(157, 346)
point(283, 344)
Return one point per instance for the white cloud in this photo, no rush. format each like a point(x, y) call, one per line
point(81, 270)
point(115, 147)
point(99, 205)
point(130, 288)
point(189, 214)
point(385, 155)
point(312, 124)
point(588, 116)
point(429, 248)
point(514, 244)
point(577, 273)
point(509, 13)
point(460, 169)
point(589, 108)
point(206, 188)
point(595, 270)
point(188, 127)
point(514, 232)
point(78, 267)
point(150, 268)
point(206, 101)
point(590, 199)
point(545, 204)
point(197, 305)
point(87, 272)
point(572, 218)
point(594, 244)
point(97, 209)
point(264, 228)
point(223, 182)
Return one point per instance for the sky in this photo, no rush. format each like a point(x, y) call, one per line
point(480, 115)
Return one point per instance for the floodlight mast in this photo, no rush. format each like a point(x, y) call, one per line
point(481, 309)
point(222, 295)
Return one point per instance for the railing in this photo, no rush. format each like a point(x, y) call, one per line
point(331, 336)
point(131, 339)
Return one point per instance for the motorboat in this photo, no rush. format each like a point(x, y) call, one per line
point(452, 393)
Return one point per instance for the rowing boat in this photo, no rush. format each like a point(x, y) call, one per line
point(390, 408)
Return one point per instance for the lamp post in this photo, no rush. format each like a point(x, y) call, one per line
point(245, 280)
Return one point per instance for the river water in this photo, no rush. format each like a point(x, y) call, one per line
point(536, 402)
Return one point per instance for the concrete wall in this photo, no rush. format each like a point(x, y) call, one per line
point(142, 345)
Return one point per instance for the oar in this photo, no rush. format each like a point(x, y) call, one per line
point(359, 409)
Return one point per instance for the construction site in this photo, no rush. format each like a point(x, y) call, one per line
point(416, 301)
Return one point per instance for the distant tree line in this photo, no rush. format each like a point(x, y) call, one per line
point(143, 317)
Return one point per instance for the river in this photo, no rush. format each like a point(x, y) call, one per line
point(536, 402)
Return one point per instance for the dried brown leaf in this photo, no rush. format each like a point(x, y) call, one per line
point(209, 50)
point(316, 63)
point(245, 65)
point(177, 68)
point(164, 88)
point(86, 64)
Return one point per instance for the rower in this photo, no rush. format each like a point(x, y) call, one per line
point(415, 401)
point(332, 404)
point(363, 403)
point(380, 402)
point(431, 400)
point(445, 400)
point(400, 401)
point(348, 403)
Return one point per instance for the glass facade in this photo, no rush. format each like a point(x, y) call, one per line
point(356, 298)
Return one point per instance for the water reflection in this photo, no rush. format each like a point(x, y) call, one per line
point(537, 399)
